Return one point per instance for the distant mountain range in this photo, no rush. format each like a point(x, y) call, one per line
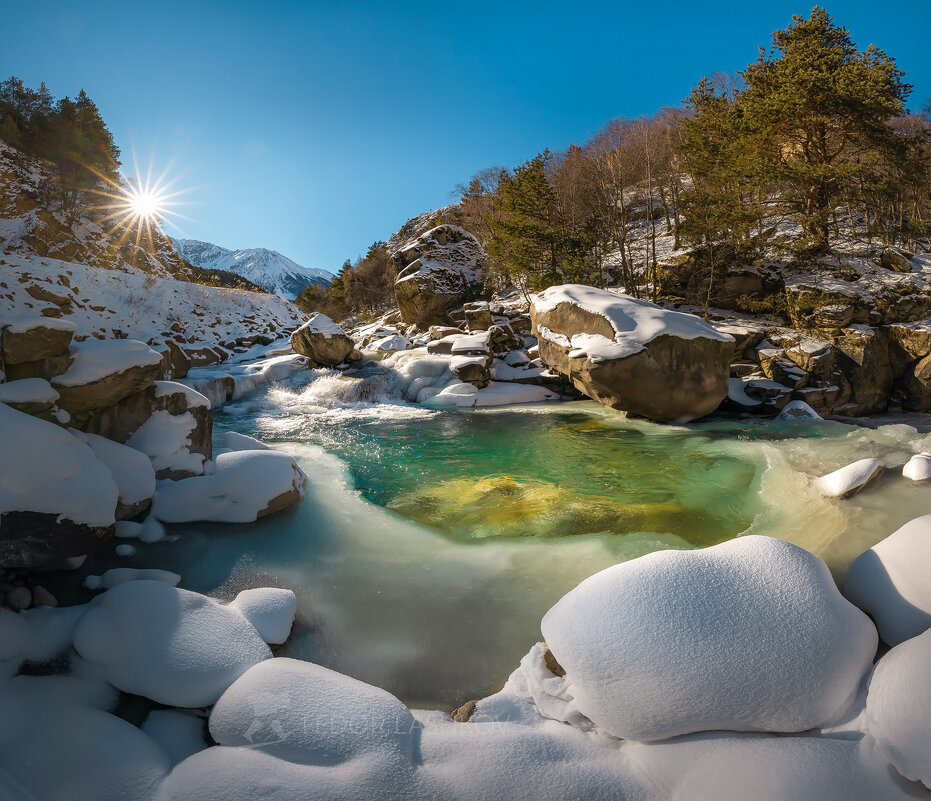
point(265, 268)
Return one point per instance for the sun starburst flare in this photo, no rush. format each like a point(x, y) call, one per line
point(138, 206)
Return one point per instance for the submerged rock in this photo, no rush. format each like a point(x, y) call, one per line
point(632, 355)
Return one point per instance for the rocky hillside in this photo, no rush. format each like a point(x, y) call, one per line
point(265, 268)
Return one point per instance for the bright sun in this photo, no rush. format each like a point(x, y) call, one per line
point(145, 204)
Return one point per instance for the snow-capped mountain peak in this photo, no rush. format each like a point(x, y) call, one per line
point(268, 269)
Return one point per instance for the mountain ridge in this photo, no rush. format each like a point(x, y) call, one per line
point(264, 267)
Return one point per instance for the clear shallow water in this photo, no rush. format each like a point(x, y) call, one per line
point(431, 543)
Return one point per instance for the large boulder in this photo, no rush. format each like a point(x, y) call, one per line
point(104, 372)
point(29, 339)
point(890, 582)
point(632, 355)
point(437, 273)
point(322, 341)
point(57, 499)
point(749, 635)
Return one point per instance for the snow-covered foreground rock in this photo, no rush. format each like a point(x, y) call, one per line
point(749, 635)
point(285, 729)
point(898, 708)
point(852, 478)
point(891, 582)
point(245, 485)
point(173, 646)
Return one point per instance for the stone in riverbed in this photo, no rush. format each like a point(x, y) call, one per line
point(890, 582)
point(918, 468)
point(851, 479)
point(749, 635)
point(322, 341)
point(632, 355)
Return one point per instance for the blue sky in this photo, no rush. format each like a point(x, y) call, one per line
point(317, 128)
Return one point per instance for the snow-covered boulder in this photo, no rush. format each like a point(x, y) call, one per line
point(891, 582)
point(390, 344)
point(898, 708)
point(322, 341)
point(437, 273)
point(179, 733)
point(245, 485)
point(918, 468)
point(173, 646)
point(131, 470)
point(270, 610)
point(632, 355)
point(851, 478)
point(32, 338)
point(749, 635)
point(105, 371)
point(57, 499)
point(293, 708)
point(32, 396)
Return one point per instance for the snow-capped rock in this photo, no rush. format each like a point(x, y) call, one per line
point(266, 268)
point(918, 468)
point(173, 646)
point(890, 582)
point(850, 479)
point(898, 708)
point(322, 341)
point(632, 355)
point(246, 485)
point(269, 609)
point(749, 635)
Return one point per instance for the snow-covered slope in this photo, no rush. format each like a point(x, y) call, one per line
point(267, 268)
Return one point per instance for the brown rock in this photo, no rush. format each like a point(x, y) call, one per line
point(464, 713)
point(39, 341)
point(32, 539)
point(322, 341)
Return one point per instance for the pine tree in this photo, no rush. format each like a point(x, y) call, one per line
point(818, 110)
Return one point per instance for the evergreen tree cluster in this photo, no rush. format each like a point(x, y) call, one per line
point(365, 287)
point(68, 132)
point(813, 136)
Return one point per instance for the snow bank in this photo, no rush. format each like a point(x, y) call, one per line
point(890, 581)
point(173, 646)
point(234, 441)
point(635, 322)
point(749, 635)
point(166, 439)
point(53, 472)
point(310, 714)
point(131, 469)
point(181, 734)
point(244, 486)
point(27, 390)
point(851, 479)
point(898, 708)
point(270, 610)
point(95, 359)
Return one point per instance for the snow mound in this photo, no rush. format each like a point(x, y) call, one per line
point(918, 468)
point(890, 582)
point(898, 708)
point(635, 322)
point(270, 610)
point(246, 485)
point(120, 575)
point(131, 469)
point(53, 473)
point(749, 635)
point(307, 713)
point(179, 733)
point(851, 479)
point(173, 646)
point(27, 390)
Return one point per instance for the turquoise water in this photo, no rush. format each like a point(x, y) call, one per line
point(431, 543)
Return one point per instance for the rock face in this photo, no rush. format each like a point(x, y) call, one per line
point(437, 273)
point(632, 355)
point(104, 372)
point(749, 635)
point(35, 338)
point(322, 341)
